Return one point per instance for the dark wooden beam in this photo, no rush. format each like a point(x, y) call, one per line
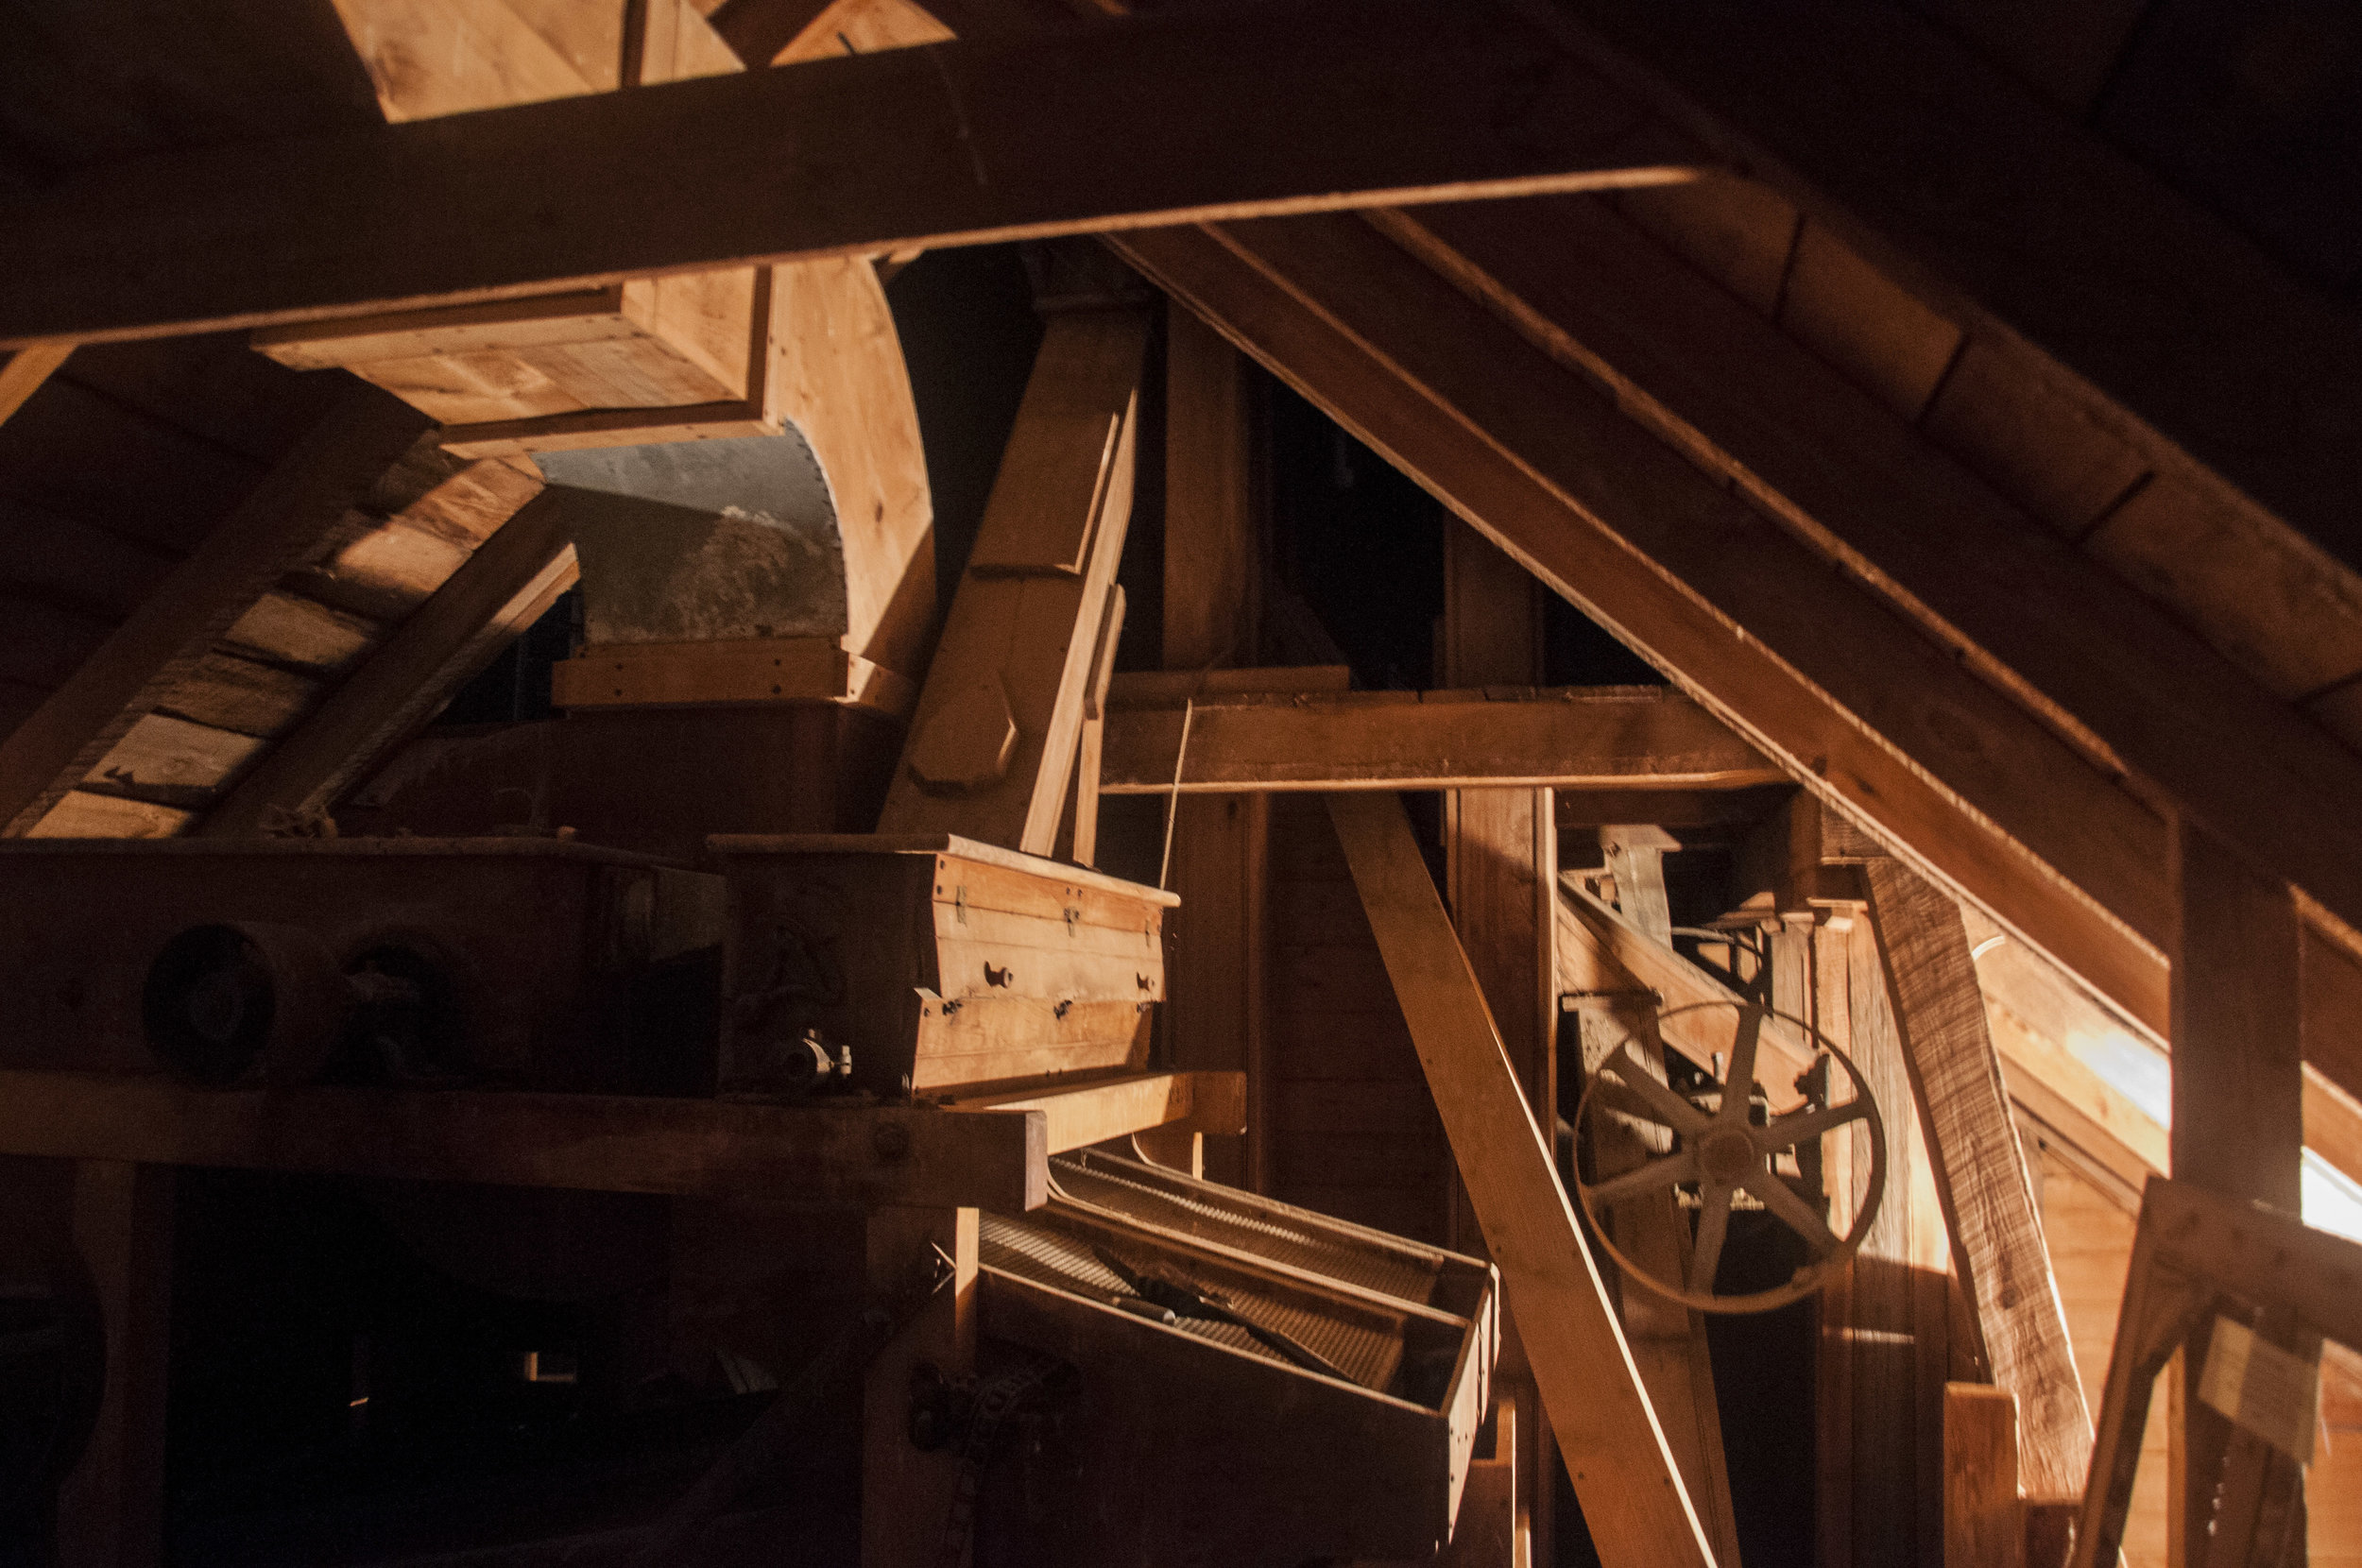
point(1842, 693)
point(1567, 737)
point(295, 506)
point(591, 1143)
point(1297, 108)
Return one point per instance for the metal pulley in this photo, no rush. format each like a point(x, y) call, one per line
point(1728, 1140)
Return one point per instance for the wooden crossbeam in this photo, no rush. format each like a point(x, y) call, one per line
point(1302, 106)
point(1823, 677)
point(1980, 1172)
point(1571, 737)
point(1632, 1499)
point(296, 506)
point(591, 1143)
point(494, 594)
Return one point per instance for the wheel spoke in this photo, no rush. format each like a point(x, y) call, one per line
point(1794, 1212)
point(1739, 1083)
point(1666, 1106)
point(1787, 1130)
point(1714, 1220)
point(1653, 1177)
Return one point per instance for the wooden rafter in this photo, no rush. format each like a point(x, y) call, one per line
point(1633, 1498)
point(1828, 682)
point(24, 372)
point(992, 138)
point(296, 506)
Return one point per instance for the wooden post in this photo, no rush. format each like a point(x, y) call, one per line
point(110, 1507)
point(2239, 1095)
point(1221, 844)
point(1983, 1522)
point(1633, 1498)
point(906, 1493)
point(1980, 1172)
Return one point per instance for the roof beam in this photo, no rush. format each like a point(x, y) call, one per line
point(1299, 107)
point(1572, 738)
point(26, 370)
point(1831, 683)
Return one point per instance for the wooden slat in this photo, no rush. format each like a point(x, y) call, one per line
point(1980, 1171)
point(1827, 682)
point(169, 633)
point(1570, 736)
point(1087, 1114)
point(591, 1143)
point(972, 142)
point(1982, 1523)
point(411, 676)
point(1023, 627)
point(1632, 1499)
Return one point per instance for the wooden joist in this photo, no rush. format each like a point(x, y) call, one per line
point(1305, 107)
point(169, 635)
point(1084, 1114)
point(1568, 737)
point(494, 594)
point(591, 1143)
point(1632, 1499)
point(1980, 1172)
point(1820, 675)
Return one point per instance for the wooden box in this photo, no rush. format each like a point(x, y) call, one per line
point(531, 954)
point(1193, 1440)
point(941, 963)
point(650, 344)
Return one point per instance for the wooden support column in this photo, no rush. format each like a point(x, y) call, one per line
point(1634, 1500)
point(110, 1507)
point(1984, 1525)
point(907, 1494)
point(2238, 1098)
point(993, 741)
point(1501, 849)
point(1221, 846)
point(1980, 1172)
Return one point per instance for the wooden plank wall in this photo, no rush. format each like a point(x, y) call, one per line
point(1354, 1132)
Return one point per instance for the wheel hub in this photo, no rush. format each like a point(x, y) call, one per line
point(1727, 1156)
